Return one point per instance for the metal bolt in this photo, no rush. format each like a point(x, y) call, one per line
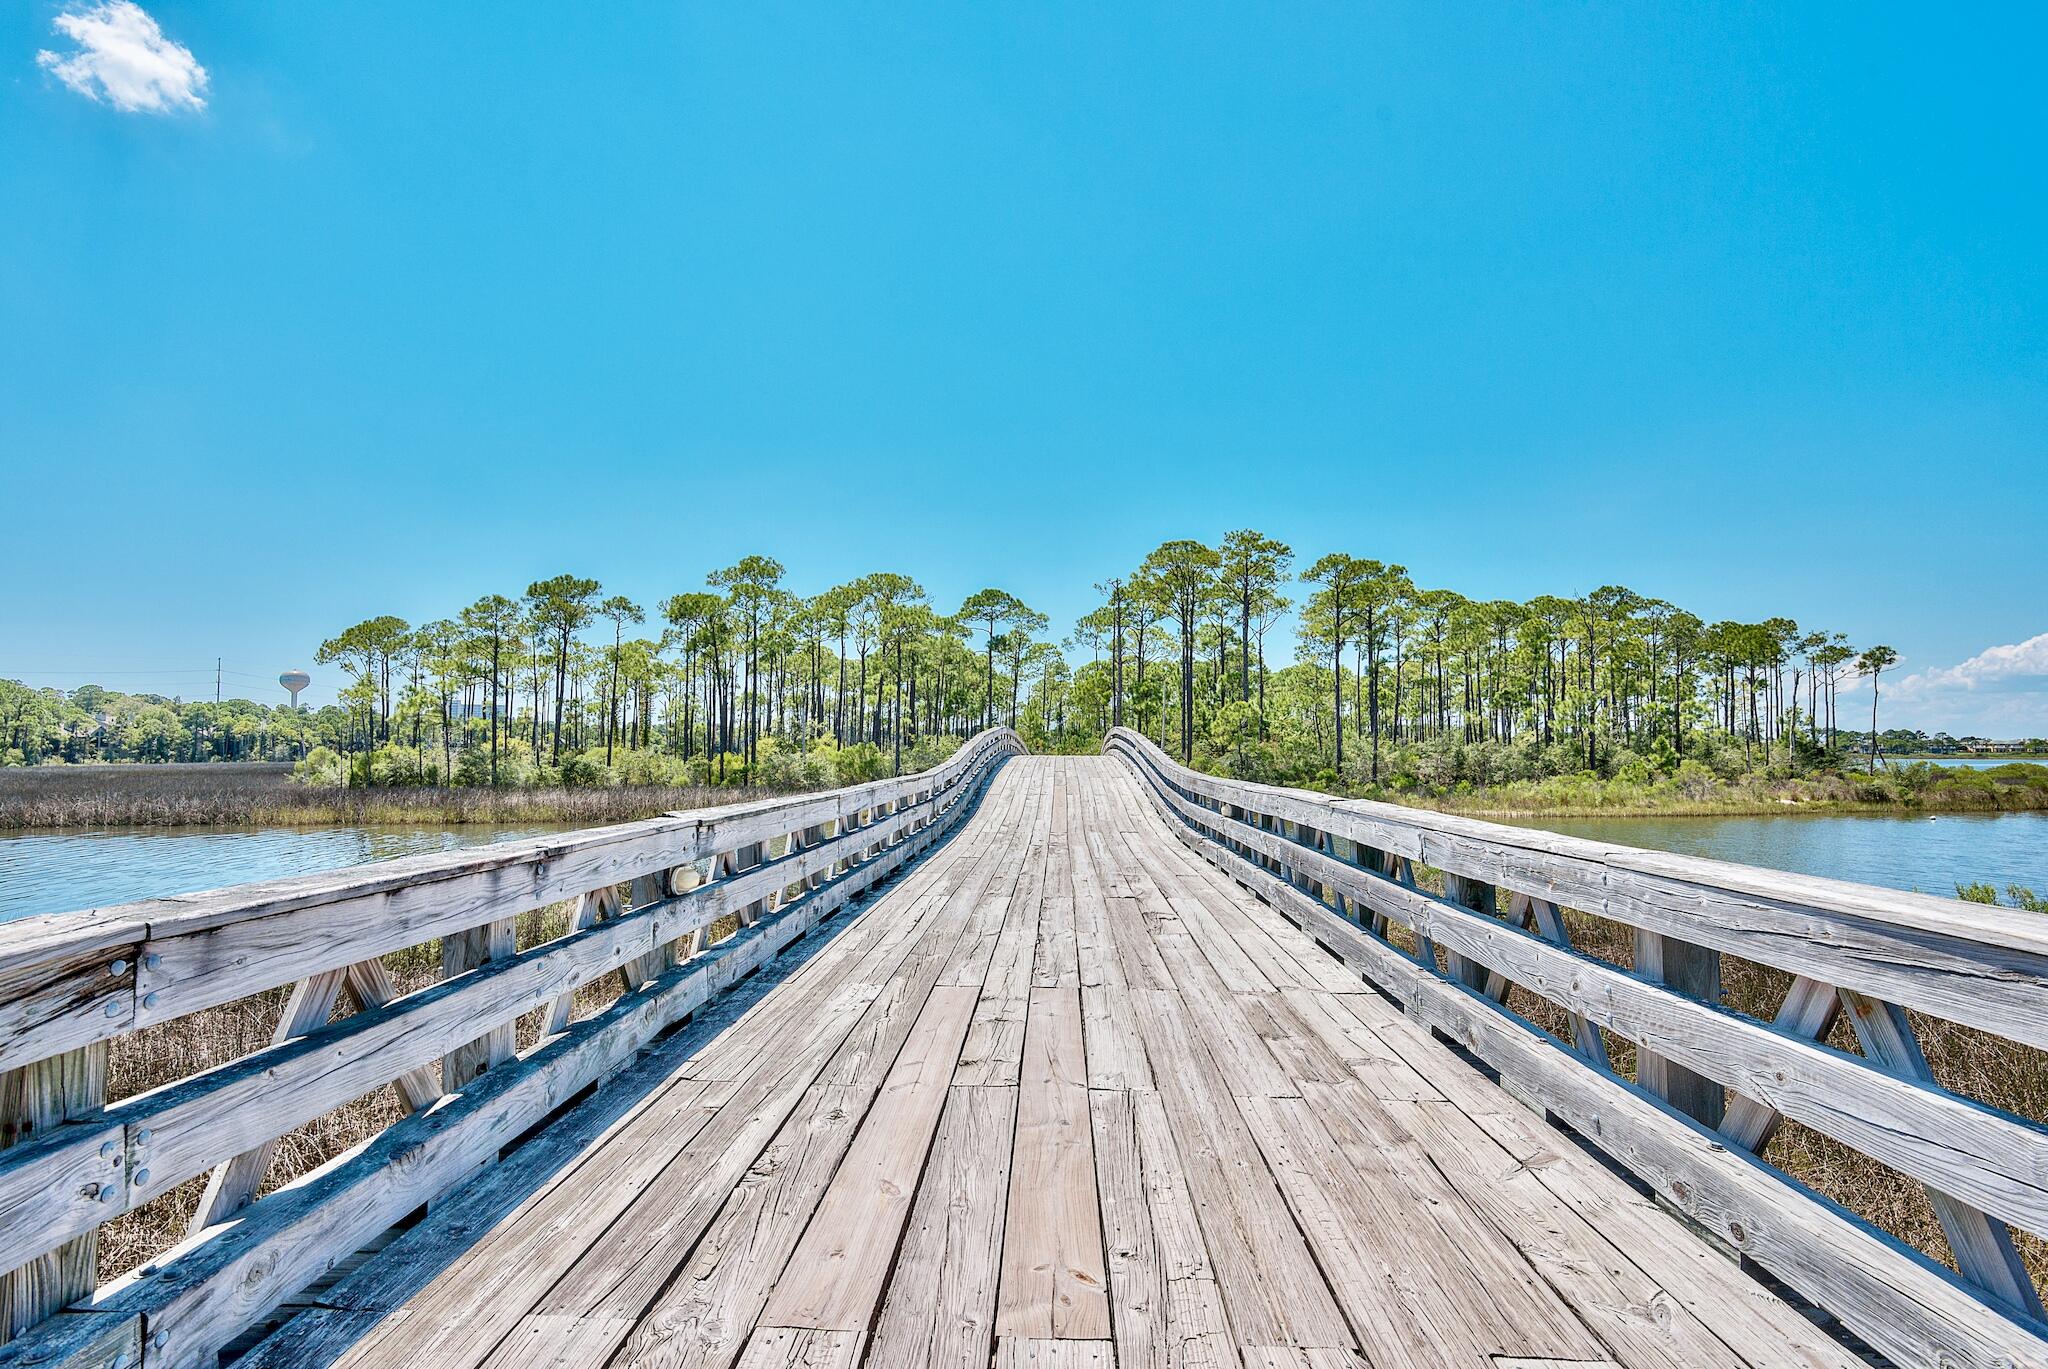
point(106, 1193)
point(109, 1149)
point(141, 1176)
point(119, 967)
point(142, 1137)
point(113, 1009)
point(152, 961)
point(149, 1000)
point(157, 1342)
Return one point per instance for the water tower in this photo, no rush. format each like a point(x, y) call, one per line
point(294, 681)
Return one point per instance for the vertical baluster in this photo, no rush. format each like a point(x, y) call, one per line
point(462, 952)
point(1692, 970)
point(1313, 839)
point(1982, 1244)
point(34, 1099)
point(740, 861)
point(1477, 895)
point(232, 1185)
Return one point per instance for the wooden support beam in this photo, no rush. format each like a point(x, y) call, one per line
point(460, 953)
point(370, 986)
point(34, 1099)
point(1548, 922)
point(590, 907)
point(1696, 972)
point(1809, 1012)
point(232, 1185)
point(1982, 1245)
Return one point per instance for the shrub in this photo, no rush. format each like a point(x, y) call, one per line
point(861, 762)
point(794, 770)
point(929, 751)
point(515, 767)
point(322, 768)
point(582, 770)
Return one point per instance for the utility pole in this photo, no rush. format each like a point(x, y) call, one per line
point(216, 679)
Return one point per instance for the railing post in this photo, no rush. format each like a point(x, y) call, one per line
point(746, 858)
point(1696, 972)
point(462, 952)
point(34, 1099)
point(1479, 897)
point(232, 1185)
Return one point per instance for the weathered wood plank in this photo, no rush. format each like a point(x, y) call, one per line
point(219, 1283)
point(782, 1347)
point(1844, 1265)
point(1032, 1353)
point(835, 1275)
point(35, 1100)
point(1053, 1272)
point(1165, 1310)
point(940, 1309)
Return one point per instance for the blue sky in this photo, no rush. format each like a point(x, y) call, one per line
point(320, 310)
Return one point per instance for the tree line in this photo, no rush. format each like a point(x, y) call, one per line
point(1389, 683)
point(735, 676)
point(1567, 682)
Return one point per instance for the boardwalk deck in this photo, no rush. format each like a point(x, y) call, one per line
point(1063, 1095)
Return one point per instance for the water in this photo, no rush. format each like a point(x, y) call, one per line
point(1965, 762)
point(47, 872)
point(1929, 854)
point(50, 872)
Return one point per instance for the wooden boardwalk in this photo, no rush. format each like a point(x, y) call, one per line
point(1063, 1095)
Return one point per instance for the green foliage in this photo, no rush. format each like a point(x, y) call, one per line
point(2016, 896)
point(322, 768)
point(859, 763)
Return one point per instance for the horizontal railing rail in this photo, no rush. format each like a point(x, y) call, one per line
point(646, 896)
point(1711, 1085)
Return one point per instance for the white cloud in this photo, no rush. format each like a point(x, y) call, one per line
point(124, 60)
point(2001, 691)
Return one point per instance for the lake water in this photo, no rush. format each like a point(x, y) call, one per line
point(50, 872)
point(1966, 762)
point(1930, 854)
point(47, 872)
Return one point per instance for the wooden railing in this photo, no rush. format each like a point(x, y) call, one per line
point(646, 898)
point(1711, 1085)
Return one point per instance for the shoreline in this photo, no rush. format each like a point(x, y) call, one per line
point(1709, 808)
point(331, 808)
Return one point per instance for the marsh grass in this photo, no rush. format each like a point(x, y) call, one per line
point(1921, 788)
point(264, 795)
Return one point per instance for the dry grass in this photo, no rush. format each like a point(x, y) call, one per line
point(264, 795)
